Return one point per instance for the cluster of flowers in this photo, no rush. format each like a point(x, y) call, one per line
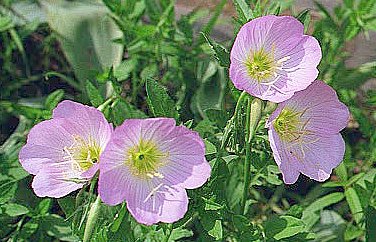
point(150, 162)
point(273, 60)
point(147, 162)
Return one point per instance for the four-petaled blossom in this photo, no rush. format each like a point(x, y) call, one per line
point(63, 152)
point(149, 163)
point(304, 133)
point(272, 59)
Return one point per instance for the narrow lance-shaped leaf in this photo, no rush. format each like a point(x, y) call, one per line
point(220, 52)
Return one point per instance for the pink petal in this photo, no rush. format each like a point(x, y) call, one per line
point(53, 181)
point(167, 204)
point(187, 166)
point(85, 121)
point(45, 144)
point(113, 184)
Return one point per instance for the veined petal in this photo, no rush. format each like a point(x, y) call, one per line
point(153, 203)
point(272, 59)
point(57, 180)
point(64, 152)
point(304, 133)
point(149, 163)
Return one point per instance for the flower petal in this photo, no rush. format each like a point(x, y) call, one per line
point(86, 122)
point(149, 203)
point(45, 144)
point(56, 180)
point(113, 185)
point(187, 166)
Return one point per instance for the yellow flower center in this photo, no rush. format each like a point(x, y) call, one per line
point(261, 65)
point(288, 125)
point(83, 152)
point(144, 159)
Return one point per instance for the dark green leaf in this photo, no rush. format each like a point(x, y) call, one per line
point(370, 213)
point(220, 52)
point(94, 95)
point(244, 10)
point(283, 227)
point(160, 103)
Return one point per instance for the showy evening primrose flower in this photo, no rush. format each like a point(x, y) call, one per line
point(304, 133)
point(272, 59)
point(63, 152)
point(149, 163)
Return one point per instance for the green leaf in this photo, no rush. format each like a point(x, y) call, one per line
point(53, 99)
point(370, 213)
point(209, 148)
point(304, 18)
point(295, 211)
point(28, 229)
point(7, 189)
point(44, 206)
point(216, 231)
point(283, 227)
point(352, 232)
point(123, 71)
point(323, 202)
point(241, 223)
point(354, 204)
point(244, 10)
point(179, 233)
point(93, 93)
point(220, 52)
point(67, 204)
point(211, 205)
point(160, 103)
point(14, 210)
point(341, 171)
point(57, 227)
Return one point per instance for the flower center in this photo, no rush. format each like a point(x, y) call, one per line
point(83, 153)
point(261, 65)
point(144, 159)
point(288, 125)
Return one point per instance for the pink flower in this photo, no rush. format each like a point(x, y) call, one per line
point(63, 152)
point(272, 59)
point(149, 163)
point(304, 133)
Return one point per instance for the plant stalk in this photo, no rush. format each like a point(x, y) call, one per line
point(247, 163)
point(253, 116)
point(92, 219)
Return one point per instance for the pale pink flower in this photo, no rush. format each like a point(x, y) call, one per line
point(304, 133)
point(149, 163)
point(63, 152)
point(272, 58)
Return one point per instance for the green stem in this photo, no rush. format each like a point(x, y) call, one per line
point(247, 163)
point(92, 219)
point(254, 110)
